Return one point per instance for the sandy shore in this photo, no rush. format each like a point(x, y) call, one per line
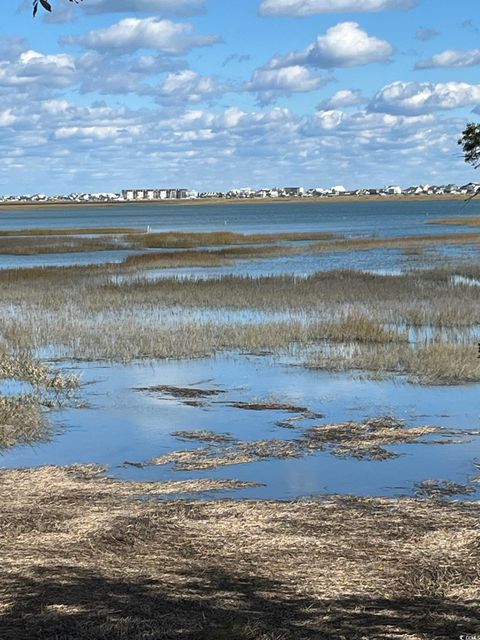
point(231, 201)
point(83, 558)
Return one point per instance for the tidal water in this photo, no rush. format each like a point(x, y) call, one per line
point(123, 424)
point(120, 423)
point(354, 219)
point(382, 218)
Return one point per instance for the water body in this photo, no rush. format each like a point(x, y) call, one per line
point(382, 218)
point(124, 424)
point(352, 219)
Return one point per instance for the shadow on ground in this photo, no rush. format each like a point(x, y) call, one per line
point(68, 603)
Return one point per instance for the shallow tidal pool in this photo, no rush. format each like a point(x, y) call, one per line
point(121, 423)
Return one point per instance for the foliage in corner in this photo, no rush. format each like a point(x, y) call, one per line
point(46, 5)
point(470, 143)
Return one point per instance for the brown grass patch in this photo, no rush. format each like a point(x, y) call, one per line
point(189, 240)
point(274, 406)
point(22, 421)
point(443, 489)
point(181, 392)
point(465, 221)
point(203, 436)
point(212, 457)
point(364, 440)
point(90, 231)
point(440, 363)
point(81, 558)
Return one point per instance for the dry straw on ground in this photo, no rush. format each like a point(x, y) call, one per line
point(82, 559)
point(364, 440)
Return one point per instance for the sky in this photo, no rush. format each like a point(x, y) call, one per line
point(104, 95)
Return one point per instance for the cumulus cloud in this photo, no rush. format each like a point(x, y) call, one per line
point(102, 73)
point(270, 84)
point(343, 98)
point(132, 34)
point(311, 7)
point(415, 98)
point(344, 45)
point(451, 58)
point(35, 70)
point(187, 86)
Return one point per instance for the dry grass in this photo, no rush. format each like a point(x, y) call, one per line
point(181, 392)
point(22, 421)
point(64, 309)
point(203, 436)
point(439, 363)
point(275, 406)
point(212, 457)
point(367, 315)
point(420, 297)
point(357, 327)
point(400, 242)
point(32, 246)
point(90, 231)
point(364, 440)
point(82, 559)
point(191, 240)
point(465, 221)
point(443, 489)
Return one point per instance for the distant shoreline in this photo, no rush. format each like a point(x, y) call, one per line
point(242, 201)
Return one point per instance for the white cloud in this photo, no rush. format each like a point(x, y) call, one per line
point(311, 7)
point(35, 71)
point(132, 34)
point(451, 58)
point(344, 45)
point(6, 118)
point(343, 98)
point(424, 97)
point(187, 86)
point(270, 84)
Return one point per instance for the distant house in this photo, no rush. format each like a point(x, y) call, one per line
point(393, 190)
point(294, 192)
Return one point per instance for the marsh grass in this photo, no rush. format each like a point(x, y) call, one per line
point(189, 240)
point(203, 435)
point(440, 363)
point(363, 440)
point(275, 406)
point(85, 231)
point(22, 421)
point(32, 246)
point(465, 221)
point(84, 558)
point(181, 392)
point(400, 242)
point(357, 327)
point(347, 319)
point(443, 489)
point(212, 457)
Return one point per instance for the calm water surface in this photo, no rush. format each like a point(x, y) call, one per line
point(124, 424)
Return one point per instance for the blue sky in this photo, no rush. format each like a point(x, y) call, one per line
point(212, 94)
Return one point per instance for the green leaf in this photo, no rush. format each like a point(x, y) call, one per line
point(46, 5)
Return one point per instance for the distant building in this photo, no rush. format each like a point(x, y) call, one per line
point(294, 192)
